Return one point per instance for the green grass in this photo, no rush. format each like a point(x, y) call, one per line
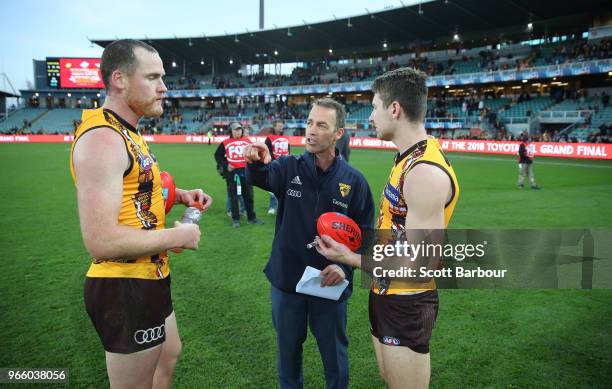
point(483, 338)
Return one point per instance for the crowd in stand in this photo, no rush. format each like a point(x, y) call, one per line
point(603, 136)
point(299, 76)
point(582, 51)
point(441, 105)
point(473, 106)
point(502, 134)
point(26, 129)
point(488, 60)
point(189, 82)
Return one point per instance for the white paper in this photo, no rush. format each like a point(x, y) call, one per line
point(310, 283)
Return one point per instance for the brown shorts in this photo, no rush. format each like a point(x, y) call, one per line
point(128, 314)
point(404, 320)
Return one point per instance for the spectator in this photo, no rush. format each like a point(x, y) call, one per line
point(605, 99)
point(278, 145)
point(525, 161)
point(230, 161)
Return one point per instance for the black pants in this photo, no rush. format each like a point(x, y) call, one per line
point(247, 194)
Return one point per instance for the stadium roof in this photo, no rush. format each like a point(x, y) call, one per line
point(430, 23)
point(4, 93)
point(6, 88)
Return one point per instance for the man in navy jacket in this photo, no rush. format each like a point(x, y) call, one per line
point(307, 186)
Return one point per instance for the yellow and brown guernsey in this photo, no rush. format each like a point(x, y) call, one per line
point(142, 204)
point(393, 208)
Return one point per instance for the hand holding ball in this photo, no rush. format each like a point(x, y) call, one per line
point(340, 228)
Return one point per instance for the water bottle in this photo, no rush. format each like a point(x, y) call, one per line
point(238, 186)
point(192, 215)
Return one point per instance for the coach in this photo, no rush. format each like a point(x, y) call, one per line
point(306, 186)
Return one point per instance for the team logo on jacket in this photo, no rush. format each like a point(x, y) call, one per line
point(344, 189)
point(391, 341)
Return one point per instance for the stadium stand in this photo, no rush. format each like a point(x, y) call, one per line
point(597, 129)
point(575, 104)
point(58, 121)
point(359, 112)
point(527, 106)
point(21, 120)
point(472, 61)
point(488, 103)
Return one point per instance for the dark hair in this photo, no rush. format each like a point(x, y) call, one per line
point(327, 102)
point(120, 55)
point(406, 86)
point(278, 121)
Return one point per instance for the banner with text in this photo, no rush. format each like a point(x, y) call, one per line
point(539, 149)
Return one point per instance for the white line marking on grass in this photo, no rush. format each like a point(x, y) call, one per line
point(539, 161)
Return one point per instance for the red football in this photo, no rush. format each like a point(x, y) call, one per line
point(340, 228)
point(168, 190)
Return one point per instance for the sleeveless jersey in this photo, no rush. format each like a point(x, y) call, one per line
point(142, 204)
point(393, 208)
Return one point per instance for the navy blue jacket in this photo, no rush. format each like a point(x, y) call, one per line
point(304, 192)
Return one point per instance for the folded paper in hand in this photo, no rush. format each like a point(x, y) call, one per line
point(310, 283)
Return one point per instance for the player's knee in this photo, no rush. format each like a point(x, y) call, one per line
point(179, 349)
point(176, 349)
point(170, 354)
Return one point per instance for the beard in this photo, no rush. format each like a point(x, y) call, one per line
point(151, 107)
point(155, 109)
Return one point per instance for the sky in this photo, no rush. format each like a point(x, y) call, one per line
point(36, 29)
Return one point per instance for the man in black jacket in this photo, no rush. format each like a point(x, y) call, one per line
point(306, 186)
point(344, 145)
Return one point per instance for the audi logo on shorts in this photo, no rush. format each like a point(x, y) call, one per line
point(149, 335)
point(294, 193)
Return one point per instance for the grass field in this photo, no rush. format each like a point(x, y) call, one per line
point(483, 338)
